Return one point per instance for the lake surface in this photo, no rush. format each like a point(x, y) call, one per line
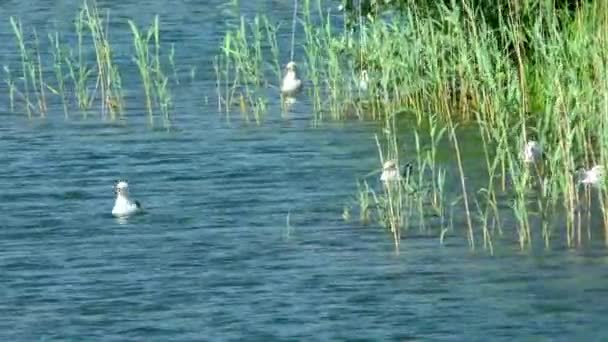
point(242, 238)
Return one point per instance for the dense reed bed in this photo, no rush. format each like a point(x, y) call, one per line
point(516, 79)
point(82, 72)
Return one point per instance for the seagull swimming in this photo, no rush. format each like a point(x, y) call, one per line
point(124, 206)
point(593, 176)
point(291, 83)
point(532, 153)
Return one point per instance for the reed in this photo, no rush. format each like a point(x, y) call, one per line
point(154, 79)
point(58, 60)
point(143, 60)
point(36, 76)
point(172, 64)
point(25, 63)
point(243, 69)
point(90, 81)
point(108, 76)
point(11, 87)
point(456, 70)
point(161, 80)
point(78, 67)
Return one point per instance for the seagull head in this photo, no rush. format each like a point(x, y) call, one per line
point(121, 188)
point(389, 165)
point(291, 67)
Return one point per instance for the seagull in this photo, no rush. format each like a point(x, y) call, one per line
point(593, 176)
point(124, 206)
point(390, 171)
point(291, 83)
point(532, 153)
point(363, 81)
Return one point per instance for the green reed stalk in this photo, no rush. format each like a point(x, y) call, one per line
point(37, 76)
point(58, 68)
point(228, 90)
point(25, 61)
point(80, 79)
point(271, 38)
point(313, 53)
point(172, 63)
point(142, 60)
point(11, 88)
point(471, 236)
point(218, 82)
point(154, 80)
point(108, 78)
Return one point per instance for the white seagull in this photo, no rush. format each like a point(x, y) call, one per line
point(363, 81)
point(593, 176)
point(532, 153)
point(390, 172)
point(124, 206)
point(291, 83)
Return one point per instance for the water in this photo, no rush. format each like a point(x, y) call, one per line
point(242, 236)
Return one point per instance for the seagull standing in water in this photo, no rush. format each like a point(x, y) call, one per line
point(363, 81)
point(593, 176)
point(124, 206)
point(533, 152)
point(291, 83)
point(390, 172)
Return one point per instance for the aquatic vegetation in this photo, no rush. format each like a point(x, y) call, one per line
point(240, 72)
point(411, 190)
point(90, 82)
point(108, 75)
point(29, 74)
point(58, 58)
point(457, 69)
point(447, 62)
point(531, 89)
point(149, 65)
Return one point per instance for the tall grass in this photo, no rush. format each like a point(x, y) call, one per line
point(26, 65)
point(543, 78)
point(241, 69)
point(150, 69)
point(108, 76)
point(58, 61)
point(79, 70)
point(84, 82)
